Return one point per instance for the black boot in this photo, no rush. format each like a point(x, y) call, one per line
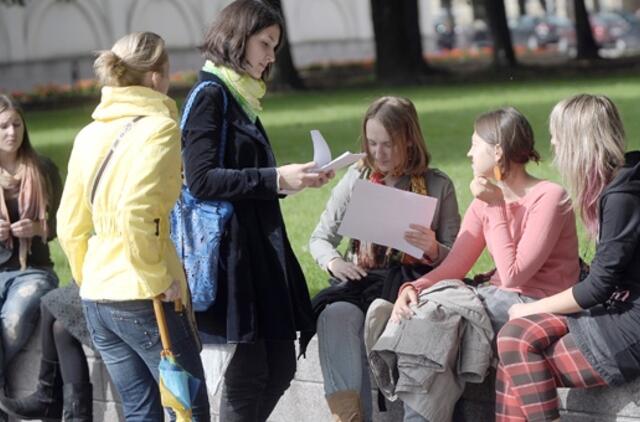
point(78, 402)
point(45, 403)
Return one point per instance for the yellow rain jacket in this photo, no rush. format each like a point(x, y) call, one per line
point(119, 247)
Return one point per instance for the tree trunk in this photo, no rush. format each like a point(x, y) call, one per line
point(503, 54)
point(447, 6)
point(522, 7)
point(478, 10)
point(285, 72)
point(586, 44)
point(398, 41)
point(543, 4)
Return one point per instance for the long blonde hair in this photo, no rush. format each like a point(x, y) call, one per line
point(130, 58)
point(589, 141)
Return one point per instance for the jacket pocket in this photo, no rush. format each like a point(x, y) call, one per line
point(427, 344)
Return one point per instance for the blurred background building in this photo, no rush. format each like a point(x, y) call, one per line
point(53, 41)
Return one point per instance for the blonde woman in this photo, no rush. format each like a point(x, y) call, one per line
point(587, 335)
point(113, 224)
point(29, 196)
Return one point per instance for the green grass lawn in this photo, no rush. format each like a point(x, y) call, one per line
point(446, 114)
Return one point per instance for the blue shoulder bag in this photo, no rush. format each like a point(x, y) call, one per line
point(197, 226)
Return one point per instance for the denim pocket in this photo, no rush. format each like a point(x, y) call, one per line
point(88, 316)
point(136, 323)
point(178, 324)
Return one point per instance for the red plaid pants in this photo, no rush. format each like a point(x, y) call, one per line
point(537, 354)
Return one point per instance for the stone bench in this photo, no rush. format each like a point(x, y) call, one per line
point(23, 375)
point(304, 401)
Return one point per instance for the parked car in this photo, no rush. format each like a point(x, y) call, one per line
point(616, 32)
point(536, 32)
point(480, 35)
point(445, 32)
point(566, 31)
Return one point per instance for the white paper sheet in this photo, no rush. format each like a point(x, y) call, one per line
point(382, 214)
point(322, 154)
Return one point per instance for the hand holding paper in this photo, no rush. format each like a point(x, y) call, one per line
point(322, 155)
point(295, 177)
point(382, 214)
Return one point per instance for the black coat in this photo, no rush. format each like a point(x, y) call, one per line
point(611, 291)
point(262, 293)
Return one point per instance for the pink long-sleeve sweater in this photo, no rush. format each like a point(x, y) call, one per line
point(533, 243)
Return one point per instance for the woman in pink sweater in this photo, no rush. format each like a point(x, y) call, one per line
point(526, 223)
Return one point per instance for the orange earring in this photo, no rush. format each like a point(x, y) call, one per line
point(497, 173)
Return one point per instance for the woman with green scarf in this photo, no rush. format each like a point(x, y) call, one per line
point(262, 299)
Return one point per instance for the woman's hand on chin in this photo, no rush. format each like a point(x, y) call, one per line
point(486, 191)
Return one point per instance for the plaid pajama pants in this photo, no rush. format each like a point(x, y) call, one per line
point(537, 354)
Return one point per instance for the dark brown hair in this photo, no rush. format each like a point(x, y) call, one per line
point(400, 119)
point(226, 40)
point(508, 128)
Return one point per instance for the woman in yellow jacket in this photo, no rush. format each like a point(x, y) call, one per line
point(123, 178)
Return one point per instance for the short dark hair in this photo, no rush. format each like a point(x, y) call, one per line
point(508, 128)
point(225, 42)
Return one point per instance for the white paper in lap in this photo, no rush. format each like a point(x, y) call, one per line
point(215, 360)
point(381, 214)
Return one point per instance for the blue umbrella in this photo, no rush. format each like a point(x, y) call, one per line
point(177, 386)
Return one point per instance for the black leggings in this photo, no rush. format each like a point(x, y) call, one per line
point(257, 376)
point(58, 345)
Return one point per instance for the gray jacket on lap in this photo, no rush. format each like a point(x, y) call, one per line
point(426, 361)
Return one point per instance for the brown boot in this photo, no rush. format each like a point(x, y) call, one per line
point(345, 406)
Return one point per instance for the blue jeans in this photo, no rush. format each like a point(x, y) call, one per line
point(20, 293)
point(343, 357)
point(497, 303)
point(126, 335)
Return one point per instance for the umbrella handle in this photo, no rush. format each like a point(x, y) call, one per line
point(162, 325)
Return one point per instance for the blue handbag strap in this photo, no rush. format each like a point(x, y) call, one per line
point(189, 104)
point(223, 134)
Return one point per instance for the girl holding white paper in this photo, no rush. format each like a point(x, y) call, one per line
point(262, 299)
point(396, 156)
point(526, 223)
